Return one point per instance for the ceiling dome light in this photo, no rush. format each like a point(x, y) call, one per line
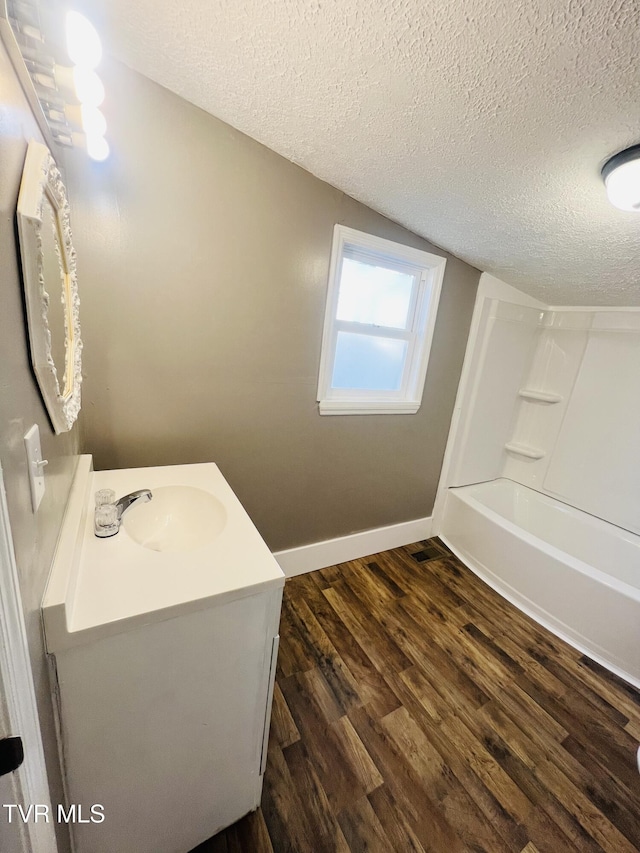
point(621, 175)
point(83, 42)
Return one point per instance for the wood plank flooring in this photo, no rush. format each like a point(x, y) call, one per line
point(416, 710)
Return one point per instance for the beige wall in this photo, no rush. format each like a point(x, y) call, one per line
point(34, 536)
point(203, 261)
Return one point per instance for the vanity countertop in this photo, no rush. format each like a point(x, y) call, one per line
point(99, 587)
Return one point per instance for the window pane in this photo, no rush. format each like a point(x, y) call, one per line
point(368, 363)
point(374, 294)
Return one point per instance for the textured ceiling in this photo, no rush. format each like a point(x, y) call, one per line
point(481, 125)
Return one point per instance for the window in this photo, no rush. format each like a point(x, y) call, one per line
point(381, 308)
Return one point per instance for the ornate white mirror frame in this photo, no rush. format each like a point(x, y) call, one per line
point(51, 287)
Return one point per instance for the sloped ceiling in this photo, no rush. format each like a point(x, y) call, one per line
point(481, 125)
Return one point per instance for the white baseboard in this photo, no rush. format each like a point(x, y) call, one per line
point(319, 555)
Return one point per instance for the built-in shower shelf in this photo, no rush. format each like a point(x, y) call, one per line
point(539, 396)
point(524, 450)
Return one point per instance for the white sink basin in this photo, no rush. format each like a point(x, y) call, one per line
point(191, 546)
point(178, 518)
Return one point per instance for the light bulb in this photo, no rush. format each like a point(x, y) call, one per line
point(83, 42)
point(621, 176)
point(88, 86)
point(623, 186)
point(93, 122)
point(97, 147)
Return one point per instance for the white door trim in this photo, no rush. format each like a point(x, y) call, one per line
point(16, 683)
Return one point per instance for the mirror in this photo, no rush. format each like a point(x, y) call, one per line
point(54, 276)
point(51, 289)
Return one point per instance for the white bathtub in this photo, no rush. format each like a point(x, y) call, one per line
point(573, 573)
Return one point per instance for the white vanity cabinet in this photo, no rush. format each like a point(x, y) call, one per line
point(163, 711)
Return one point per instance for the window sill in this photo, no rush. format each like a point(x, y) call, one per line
point(368, 407)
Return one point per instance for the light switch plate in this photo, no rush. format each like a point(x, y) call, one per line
point(35, 465)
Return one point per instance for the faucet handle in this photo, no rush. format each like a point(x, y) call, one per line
point(106, 520)
point(105, 496)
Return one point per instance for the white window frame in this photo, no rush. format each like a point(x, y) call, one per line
point(429, 272)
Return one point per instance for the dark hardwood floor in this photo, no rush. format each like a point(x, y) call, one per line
point(416, 710)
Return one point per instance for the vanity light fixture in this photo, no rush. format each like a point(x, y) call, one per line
point(93, 121)
point(85, 51)
point(88, 87)
point(79, 84)
point(97, 148)
point(83, 42)
point(621, 176)
point(55, 58)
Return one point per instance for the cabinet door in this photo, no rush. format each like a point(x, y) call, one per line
point(164, 726)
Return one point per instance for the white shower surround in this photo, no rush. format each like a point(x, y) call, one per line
point(540, 487)
point(573, 573)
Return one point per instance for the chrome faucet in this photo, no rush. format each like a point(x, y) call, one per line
point(109, 512)
point(125, 503)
